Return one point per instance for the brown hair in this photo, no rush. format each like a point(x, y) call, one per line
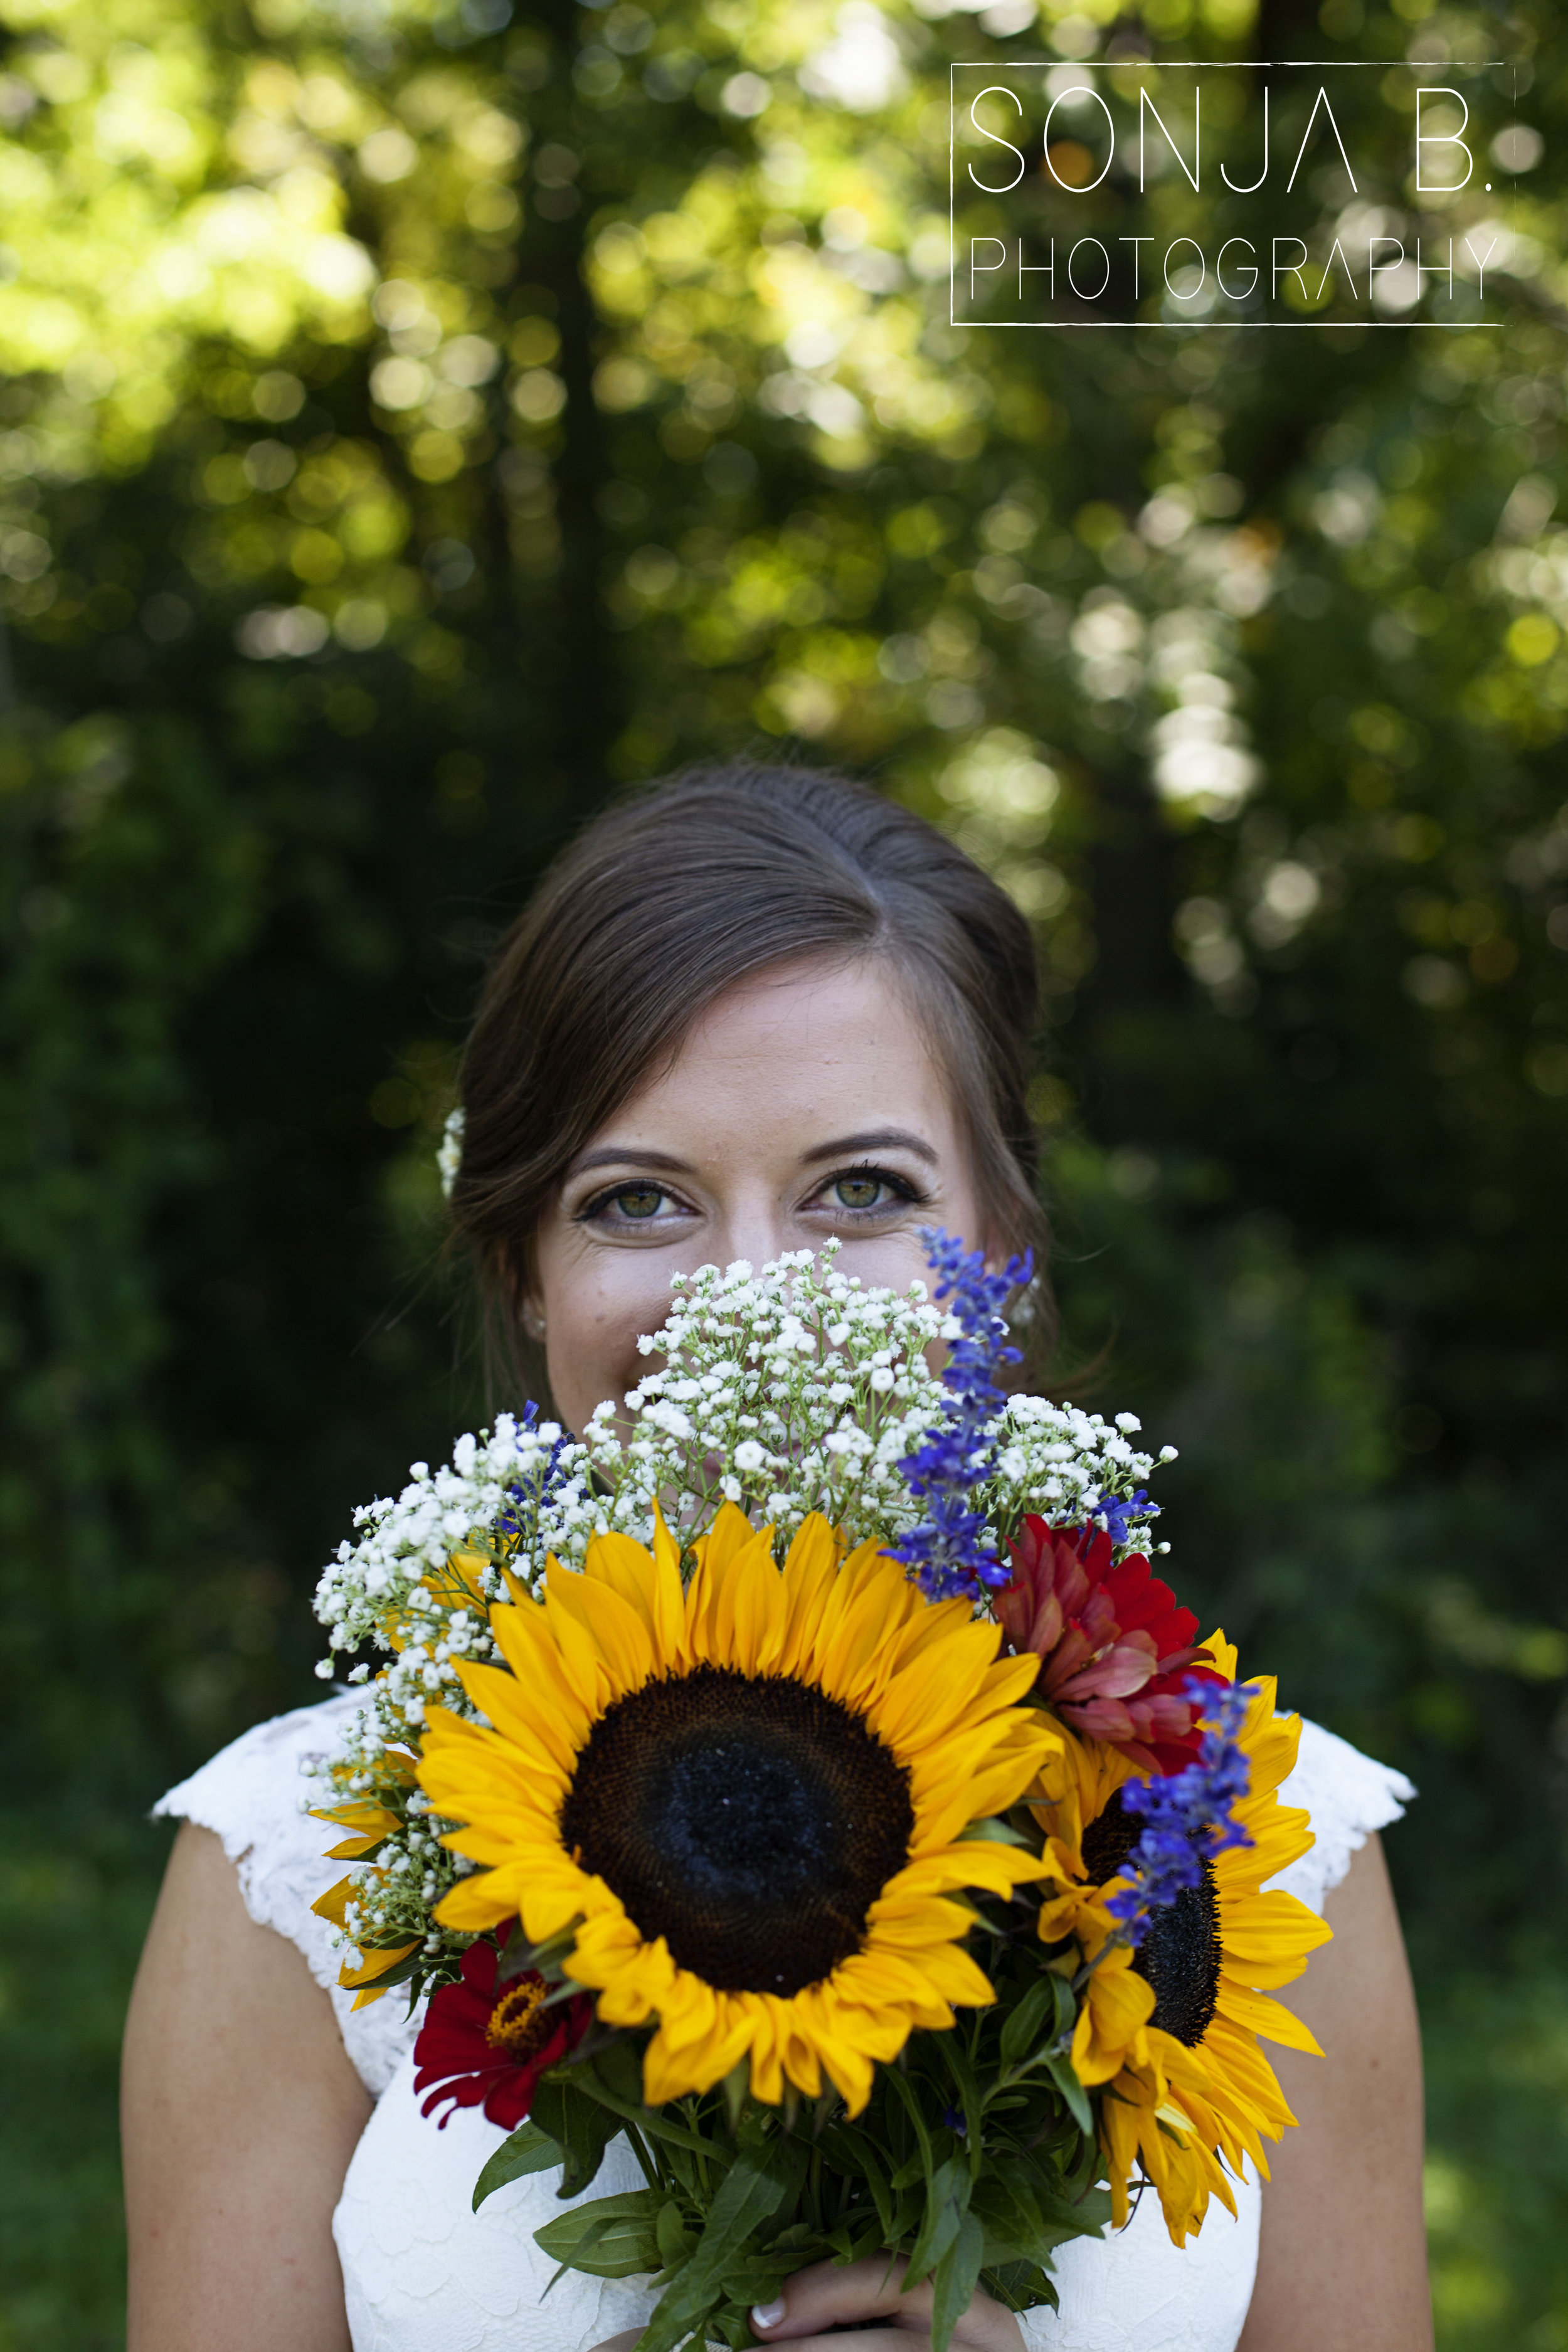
point(665, 901)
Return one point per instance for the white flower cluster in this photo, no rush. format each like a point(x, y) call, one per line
point(793, 1390)
point(1059, 1460)
point(450, 1150)
point(785, 1392)
point(422, 1575)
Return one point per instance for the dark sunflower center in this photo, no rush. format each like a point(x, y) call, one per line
point(1180, 1954)
point(750, 1822)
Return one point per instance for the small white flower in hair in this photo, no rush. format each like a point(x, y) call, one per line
point(449, 1158)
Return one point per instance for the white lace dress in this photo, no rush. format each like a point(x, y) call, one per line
point(423, 2272)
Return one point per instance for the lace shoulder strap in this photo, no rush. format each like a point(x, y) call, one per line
point(1348, 1796)
point(253, 1796)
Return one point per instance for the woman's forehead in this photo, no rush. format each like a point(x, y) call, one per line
point(837, 1043)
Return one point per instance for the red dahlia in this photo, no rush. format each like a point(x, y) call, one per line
point(1114, 1649)
point(489, 2044)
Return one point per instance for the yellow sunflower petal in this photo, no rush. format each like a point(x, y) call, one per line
point(1269, 1938)
point(671, 1642)
point(970, 1862)
point(558, 1714)
point(810, 1571)
point(1271, 2019)
point(731, 1532)
point(616, 1561)
point(371, 1970)
point(741, 1624)
point(541, 1735)
point(855, 1629)
point(1116, 2008)
point(921, 1920)
point(334, 1902)
point(1118, 2133)
point(583, 1664)
point(369, 1820)
point(1225, 1654)
point(617, 1631)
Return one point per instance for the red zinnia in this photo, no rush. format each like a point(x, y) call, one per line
point(1114, 1648)
point(481, 2041)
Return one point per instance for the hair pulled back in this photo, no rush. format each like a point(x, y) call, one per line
point(666, 900)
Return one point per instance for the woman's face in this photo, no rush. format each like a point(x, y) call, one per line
point(806, 1102)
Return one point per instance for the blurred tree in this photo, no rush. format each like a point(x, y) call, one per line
point(417, 423)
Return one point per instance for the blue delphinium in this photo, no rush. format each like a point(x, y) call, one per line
point(1189, 1816)
point(947, 1555)
point(1113, 1512)
point(530, 1498)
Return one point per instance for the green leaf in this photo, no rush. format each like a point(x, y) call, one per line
point(751, 2192)
point(947, 2206)
point(611, 2237)
point(675, 2240)
point(1024, 2027)
point(1062, 2213)
point(870, 2239)
point(885, 2198)
point(1019, 2287)
point(970, 2098)
point(685, 2169)
point(1024, 2221)
point(1009, 2216)
point(518, 1956)
point(1093, 2210)
point(655, 2121)
point(905, 2090)
point(618, 2066)
point(956, 2278)
point(581, 2127)
point(734, 2327)
point(994, 1831)
point(528, 2150)
point(1073, 2092)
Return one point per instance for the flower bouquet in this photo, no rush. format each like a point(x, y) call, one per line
point(805, 1774)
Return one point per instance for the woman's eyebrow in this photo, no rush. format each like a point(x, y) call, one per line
point(878, 1138)
point(618, 1155)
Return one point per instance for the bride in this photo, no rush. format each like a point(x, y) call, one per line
point(746, 1011)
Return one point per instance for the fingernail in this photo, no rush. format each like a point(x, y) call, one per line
point(767, 2314)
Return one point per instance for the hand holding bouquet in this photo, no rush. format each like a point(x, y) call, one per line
point(806, 1775)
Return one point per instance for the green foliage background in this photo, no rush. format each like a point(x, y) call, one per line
point(417, 425)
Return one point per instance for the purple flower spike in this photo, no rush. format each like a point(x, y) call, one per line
point(946, 1554)
point(1112, 1512)
point(1190, 1814)
point(509, 1522)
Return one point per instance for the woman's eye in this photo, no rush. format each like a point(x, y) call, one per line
point(864, 1192)
point(859, 1192)
point(637, 1202)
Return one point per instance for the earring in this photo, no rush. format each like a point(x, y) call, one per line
point(533, 1323)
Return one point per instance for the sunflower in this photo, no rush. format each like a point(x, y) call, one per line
point(1171, 2031)
point(743, 1800)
